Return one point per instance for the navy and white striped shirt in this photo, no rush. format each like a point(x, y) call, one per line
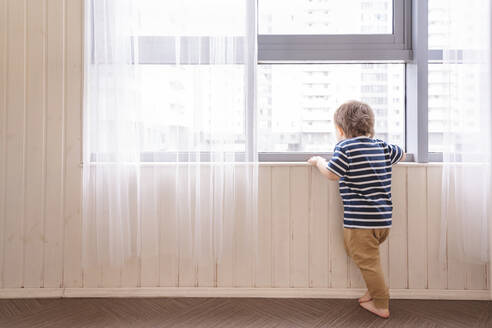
point(364, 167)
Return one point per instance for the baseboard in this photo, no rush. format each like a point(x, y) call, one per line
point(238, 292)
point(31, 292)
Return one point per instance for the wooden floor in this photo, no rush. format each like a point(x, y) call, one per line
point(237, 312)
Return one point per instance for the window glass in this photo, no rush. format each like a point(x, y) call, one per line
point(192, 17)
point(177, 103)
point(296, 103)
point(325, 17)
point(447, 42)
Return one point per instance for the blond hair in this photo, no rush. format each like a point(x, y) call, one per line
point(355, 118)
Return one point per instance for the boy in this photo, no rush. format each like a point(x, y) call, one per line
point(362, 165)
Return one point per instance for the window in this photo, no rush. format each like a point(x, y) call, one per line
point(316, 54)
point(312, 56)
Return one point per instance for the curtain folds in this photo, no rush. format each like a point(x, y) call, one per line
point(167, 145)
point(467, 130)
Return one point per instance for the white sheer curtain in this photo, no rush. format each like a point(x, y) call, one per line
point(467, 131)
point(166, 140)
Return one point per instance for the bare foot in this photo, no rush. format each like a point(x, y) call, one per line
point(369, 306)
point(365, 298)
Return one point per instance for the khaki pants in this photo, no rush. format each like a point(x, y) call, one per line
point(362, 245)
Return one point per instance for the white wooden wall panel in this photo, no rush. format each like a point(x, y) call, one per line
point(187, 269)
point(168, 230)
point(397, 241)
point(72, 249)
point(225, 257)
point(35, 152)
point(437, 275)
point(92, 271)
point(130, 271)
point(53, 231)
point(299, 233)
point(263, 269)
point(3, 126)
point(456, 271)
point(149, 274)
point(318, 226)
point(337, 256)
point(204, 229)
point(15, 148)
point(281, 226)
point(417, 227)
point(243, 269)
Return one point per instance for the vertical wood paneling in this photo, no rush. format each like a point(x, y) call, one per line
point(150, 229)
point(72, 269)
point(15, 150)
point(3, 125)
point(91, 267)
point(280, 225)
point(263, 274)
point(53, 232)
point(417, 227)
point(186, 193)
point(436, 261)
point(319, 223)
point(204, 229)
point(35, 139)
point(225, 258)
point(397, 243)
point(456, 269)
point(299, 214)
point(339, 260)
point(476, 273)
point(244, 249)
point(476, 277)
point(168, 227)
point(130, 271)
point(110, 273)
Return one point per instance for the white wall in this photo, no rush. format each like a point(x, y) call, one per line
point(299, 232)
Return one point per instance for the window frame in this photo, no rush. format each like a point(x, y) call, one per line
point(275, 48)
point(407, 44)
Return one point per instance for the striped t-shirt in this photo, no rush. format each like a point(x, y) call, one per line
point(364, 167)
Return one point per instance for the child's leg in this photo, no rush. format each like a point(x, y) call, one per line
point(346, 238)
point(363, 246)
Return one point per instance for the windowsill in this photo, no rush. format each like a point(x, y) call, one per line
point(409, 164)
point(150, 164)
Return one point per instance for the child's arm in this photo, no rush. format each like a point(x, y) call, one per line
point(320, 163)
point(396, 154)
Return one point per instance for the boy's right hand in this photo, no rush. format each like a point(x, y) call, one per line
point(314, 160)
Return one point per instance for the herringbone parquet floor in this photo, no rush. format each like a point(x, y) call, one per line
point(237, 313)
